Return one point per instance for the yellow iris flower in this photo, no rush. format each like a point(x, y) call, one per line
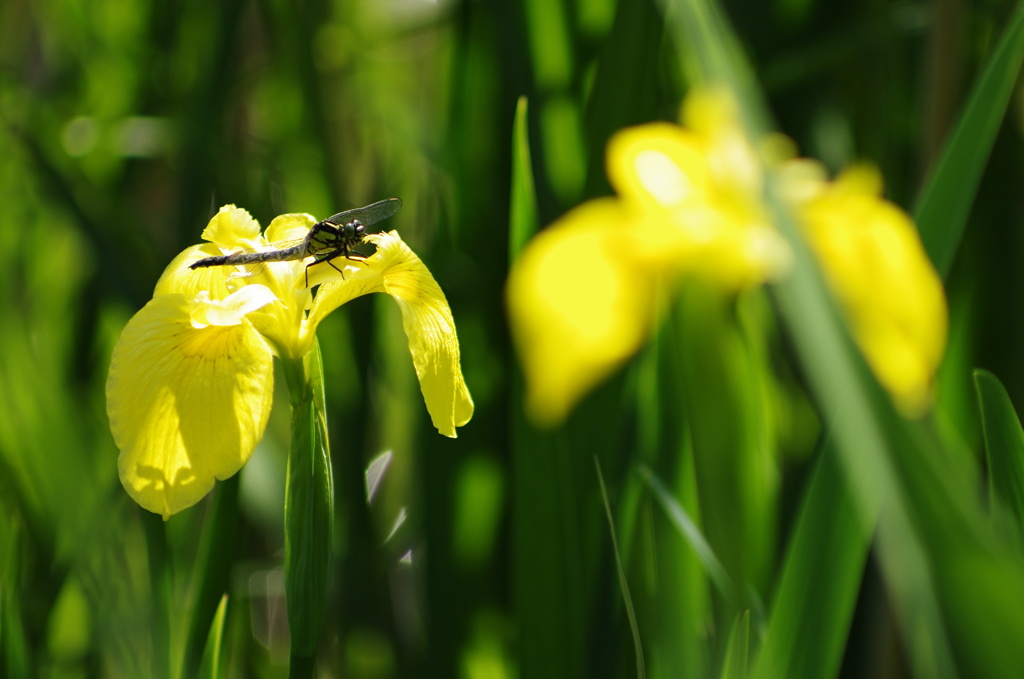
point(585, 292)
point(191, 377)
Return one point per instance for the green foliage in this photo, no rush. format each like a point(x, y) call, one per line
point(721, 538)
point(212, 666)
point(949, 193)
point(819, 581)
point(1004, 448)
point(523, 196)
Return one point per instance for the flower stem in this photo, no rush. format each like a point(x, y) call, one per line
point(309, 511)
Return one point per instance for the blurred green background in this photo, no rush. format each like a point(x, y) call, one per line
point(125, 124)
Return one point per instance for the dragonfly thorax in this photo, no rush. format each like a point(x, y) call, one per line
point(327, 238)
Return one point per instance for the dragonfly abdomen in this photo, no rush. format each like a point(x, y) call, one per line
point(297, 252)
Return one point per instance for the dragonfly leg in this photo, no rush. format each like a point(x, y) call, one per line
point(347, 255)
point(328, 260)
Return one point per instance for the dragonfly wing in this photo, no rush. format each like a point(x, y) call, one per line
point(371, 214)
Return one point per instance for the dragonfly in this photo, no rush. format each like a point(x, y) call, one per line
point(329, 239)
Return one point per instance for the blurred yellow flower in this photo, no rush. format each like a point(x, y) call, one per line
point(191, 377)
point(586, 291)
point(583, 295)
point(889, 291)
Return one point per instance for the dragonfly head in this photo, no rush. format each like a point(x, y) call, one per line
point(353, 231)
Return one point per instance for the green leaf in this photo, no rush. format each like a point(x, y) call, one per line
point(946, 199)
point(213, 570)
point(676, 600)
point(1004, 443)
point(691, 533)
point(14, 649)
point(523, 219)
point(814, 601)
point(623, 583)
point(726, 376)
point(212, 666)
point(736, 653)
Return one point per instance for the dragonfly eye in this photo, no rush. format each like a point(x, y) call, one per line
point(353, 229)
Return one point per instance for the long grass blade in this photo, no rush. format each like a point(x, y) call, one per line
point(623, 583)
point(212, 666)
point(523, 217)
point(213, 570)
point(692, 534)
point(946, 199)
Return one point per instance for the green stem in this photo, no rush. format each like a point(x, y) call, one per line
point(309, 512)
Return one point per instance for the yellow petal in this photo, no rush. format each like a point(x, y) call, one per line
point(695, 202)
point(800, 180)
point(658, 165)
point(289, 227)
point(426, 318)
point(178, 278)
point(231, 310)
point(733, 254)
point(887, 287)
point(186, 405)
point(714, 116)
point(232, 227)
point(578, 306)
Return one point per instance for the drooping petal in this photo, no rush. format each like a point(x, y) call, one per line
point(186, 405)
point(426, 318)
point(579, 307)
point(890, 292)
